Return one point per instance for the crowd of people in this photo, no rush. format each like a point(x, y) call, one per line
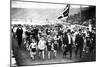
point(52, 39)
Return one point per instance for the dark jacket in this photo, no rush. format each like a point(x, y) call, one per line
point(65, 39)
point(19, 33)
point(79, 40)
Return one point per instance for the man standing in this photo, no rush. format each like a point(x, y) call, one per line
point(19, 33)
point(67, 41)
point(79, 43)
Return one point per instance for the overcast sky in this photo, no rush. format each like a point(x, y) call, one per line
point(39, 12)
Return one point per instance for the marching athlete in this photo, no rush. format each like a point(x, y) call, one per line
point(33, 47)
point(54, 46)
point(42, 46)
point(49, 46)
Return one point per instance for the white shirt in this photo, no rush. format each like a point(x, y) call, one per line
point(14, 29)
point(41, 44)
point(90, 27)
point(24, 30)
point(73, 37)
point(13, 61)
point(69, 39)
point(33, 45)
point(55, 38)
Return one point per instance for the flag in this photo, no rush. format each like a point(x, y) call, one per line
point(65, 12)
point(60, 17)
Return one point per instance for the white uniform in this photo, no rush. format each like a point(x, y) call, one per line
point(33, 49)
point(33, 45)
point(42, 44)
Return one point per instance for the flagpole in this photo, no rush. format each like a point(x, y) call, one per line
point(80, 14)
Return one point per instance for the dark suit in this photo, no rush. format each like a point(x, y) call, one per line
point(34, 34)
point(19, 33)
point(79, 41)
point(67, 46)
